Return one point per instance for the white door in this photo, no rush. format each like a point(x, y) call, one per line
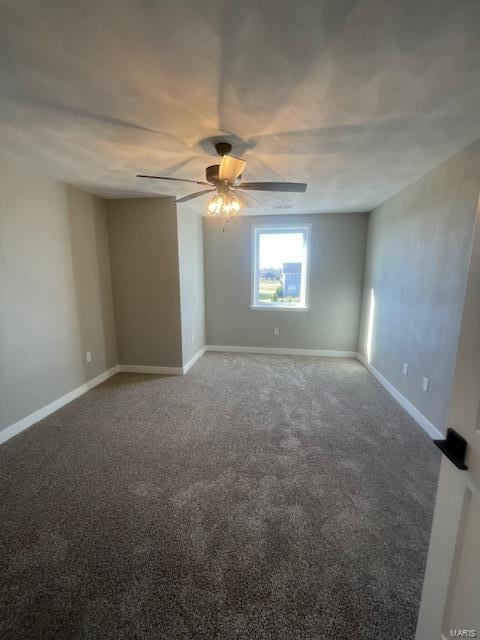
point(450, 605)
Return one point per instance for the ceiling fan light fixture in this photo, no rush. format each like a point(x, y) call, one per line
point(227, 205)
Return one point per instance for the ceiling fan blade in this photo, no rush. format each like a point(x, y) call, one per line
point(194, 195)
point(291, 187)
point(231, 168)
point(246, 198)
point(176, 179)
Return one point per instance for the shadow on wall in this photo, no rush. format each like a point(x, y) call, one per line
point(87, 228)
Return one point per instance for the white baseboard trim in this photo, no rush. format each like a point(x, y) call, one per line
point(43, 412)
point(193, 359)
point(168, 371)
point(138, 368)
point(282, 351)
point(419, 418)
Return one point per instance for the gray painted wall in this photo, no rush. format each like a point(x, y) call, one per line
point(337, 256)
point(145, 280)
point(417, 257)
point(192, 290)
point(55, 293)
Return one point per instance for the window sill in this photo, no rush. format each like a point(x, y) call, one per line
point(257, 307)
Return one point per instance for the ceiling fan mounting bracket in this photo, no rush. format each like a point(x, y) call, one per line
point(223, 148)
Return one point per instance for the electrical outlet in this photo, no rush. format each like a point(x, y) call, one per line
point(405, 369)
point(192, 338)
point(88, 356)
point(276, 331)
point(426, 384)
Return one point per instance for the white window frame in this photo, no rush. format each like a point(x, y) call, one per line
point(257, 231)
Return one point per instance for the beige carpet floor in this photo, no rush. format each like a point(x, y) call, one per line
point(257, 497)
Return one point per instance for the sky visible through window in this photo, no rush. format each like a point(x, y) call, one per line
point(277, 248)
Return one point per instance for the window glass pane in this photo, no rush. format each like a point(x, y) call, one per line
point(280, 267)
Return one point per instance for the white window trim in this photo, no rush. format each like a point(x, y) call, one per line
point(263, 228)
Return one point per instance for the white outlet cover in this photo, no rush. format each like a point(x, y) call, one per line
point(405, 369)
point(426, 384)
point(88, 356)
point(276, 332)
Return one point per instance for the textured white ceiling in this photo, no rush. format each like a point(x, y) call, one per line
point(356, 98)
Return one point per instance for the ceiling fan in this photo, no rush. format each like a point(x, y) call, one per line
point(226, 180)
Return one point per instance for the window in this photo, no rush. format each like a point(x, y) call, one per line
point(280, 267)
